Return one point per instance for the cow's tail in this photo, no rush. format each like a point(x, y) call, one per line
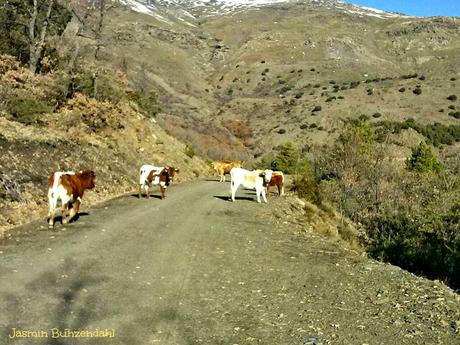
point(53, 191)
point(141, 174)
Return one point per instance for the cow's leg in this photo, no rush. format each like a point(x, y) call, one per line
point(233, 188)
point(146, 188)
point(140, 191)
point(258, 192)
point(162, 190)
point(75, 208)
point(64, 212)
point(52, 201)
point(268, 190)
point(263, 196)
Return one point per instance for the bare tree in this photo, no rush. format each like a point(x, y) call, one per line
point(38, 39)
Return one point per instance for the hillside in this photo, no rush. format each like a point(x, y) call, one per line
point(112, 139)
point(242, 90)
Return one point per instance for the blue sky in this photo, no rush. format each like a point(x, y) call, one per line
point(414, 7)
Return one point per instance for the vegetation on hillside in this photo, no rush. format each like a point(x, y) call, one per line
point(409, 214)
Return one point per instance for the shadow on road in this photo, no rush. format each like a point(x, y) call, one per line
point(227, 198)
point(58, 219)
point(135, 195)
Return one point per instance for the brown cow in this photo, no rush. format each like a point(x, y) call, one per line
point(224, 167)
point(69, 188)
point(278, 181)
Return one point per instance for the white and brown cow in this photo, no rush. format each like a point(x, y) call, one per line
point(223, 167)
point(257, 180)
point(278, 181)
point(68, 187)
point(152, 175)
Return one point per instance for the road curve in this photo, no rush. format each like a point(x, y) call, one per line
point(193, 268)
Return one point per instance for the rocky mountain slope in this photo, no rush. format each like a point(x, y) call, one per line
point(238, 78)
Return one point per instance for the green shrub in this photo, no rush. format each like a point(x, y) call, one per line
point(308, 187)
point(317, 108)
point(304, 126)
point(436, 133)
point(403, 89)
point(285, 89)
point(455, 114)
point(376, 115)
point(281, 131)
point(189, 150)
point(417, 91)
point(26, 109)
point(409, 76)
point(147, 102)
point(423, 160)
point(428, 244)
point(452, 98)
point(288, 160)
point(354, 84)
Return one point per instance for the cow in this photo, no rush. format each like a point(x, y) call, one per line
point(68, 187)
point(150, 174)
point(278, 181)
point(257, 180)
point(223, 167)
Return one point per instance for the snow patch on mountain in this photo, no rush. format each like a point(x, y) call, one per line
point(183, 9)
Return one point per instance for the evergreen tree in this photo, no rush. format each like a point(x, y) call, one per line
point(423, 160)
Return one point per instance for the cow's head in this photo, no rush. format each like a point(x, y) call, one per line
point(266, 175)
point(88, 178)
point(165, 177)
point(172, 172)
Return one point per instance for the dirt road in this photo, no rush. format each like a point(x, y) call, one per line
point(197, 269)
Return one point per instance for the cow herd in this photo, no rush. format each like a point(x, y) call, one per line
point(69, 186)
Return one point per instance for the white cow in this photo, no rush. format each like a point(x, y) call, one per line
point(257, 180)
